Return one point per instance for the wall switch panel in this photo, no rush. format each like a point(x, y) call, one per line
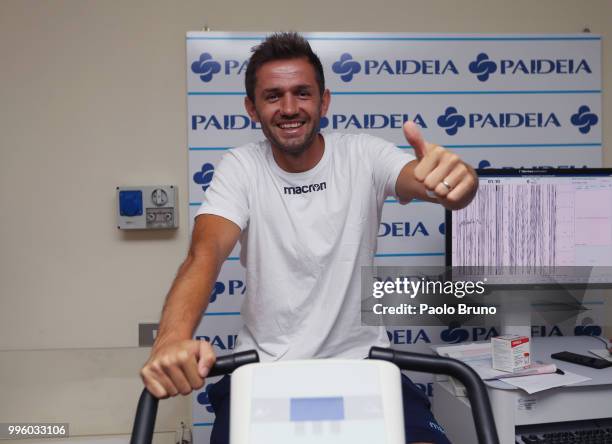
point(147, 207)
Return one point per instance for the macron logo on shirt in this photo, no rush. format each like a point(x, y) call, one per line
point(306, 188)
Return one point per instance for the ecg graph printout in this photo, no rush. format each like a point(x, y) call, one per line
point(533, 222)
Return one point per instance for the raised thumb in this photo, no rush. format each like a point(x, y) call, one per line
point(415, 139)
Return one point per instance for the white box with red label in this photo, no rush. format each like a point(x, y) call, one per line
point(510, 352)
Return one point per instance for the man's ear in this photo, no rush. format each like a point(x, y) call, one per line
point(325, 101)
point(250, 108)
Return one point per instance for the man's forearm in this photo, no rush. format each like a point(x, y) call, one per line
point(188, 298)
point(178, 364)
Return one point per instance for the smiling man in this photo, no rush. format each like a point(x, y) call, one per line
point(306, 207)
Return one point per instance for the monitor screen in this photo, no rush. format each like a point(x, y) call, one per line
point(536, 226)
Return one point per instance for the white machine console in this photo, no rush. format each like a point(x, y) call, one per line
point(317, 401)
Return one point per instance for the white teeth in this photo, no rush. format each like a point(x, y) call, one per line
point(290, 125)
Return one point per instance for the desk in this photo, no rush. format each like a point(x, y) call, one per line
point(513, 407)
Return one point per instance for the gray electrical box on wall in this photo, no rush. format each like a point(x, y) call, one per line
point(147, 207)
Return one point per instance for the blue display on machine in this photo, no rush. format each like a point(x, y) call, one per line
point(317, 409)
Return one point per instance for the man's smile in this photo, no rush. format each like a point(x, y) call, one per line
point(291, 127)
point(287, 125)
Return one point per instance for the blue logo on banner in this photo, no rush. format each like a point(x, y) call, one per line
point(206, 67)
point(221, 343)
point(543, 66)
point(451, 121)
point(402, 229)
point(234, 286)
point(204, 400)
point(370, 121)
point(217, 289)
point(542, 331)
point(587, 330)
point(442, 228)
point(584, 119)
point(454, 334)
point(408, 336)
point(222, 122)
point(482, 67)
point(204, 176)
point(486, 164)
point(346, 67)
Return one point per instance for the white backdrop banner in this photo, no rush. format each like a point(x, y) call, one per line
point(496, 100)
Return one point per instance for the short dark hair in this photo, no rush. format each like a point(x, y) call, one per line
point(281, 46)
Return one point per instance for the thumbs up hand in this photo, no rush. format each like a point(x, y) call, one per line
point(445, 177)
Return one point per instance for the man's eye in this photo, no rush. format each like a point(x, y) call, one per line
point(271, 97)
point(304, 94)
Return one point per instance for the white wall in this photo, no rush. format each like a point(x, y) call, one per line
point(92, 95)
point(95, 391)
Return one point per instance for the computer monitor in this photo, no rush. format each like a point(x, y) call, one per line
point(535, 227)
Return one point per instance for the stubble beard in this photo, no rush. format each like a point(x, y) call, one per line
point(290, 149)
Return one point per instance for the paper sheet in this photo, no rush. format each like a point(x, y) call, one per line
point(538, 383)
point(486, 372)
point(478, 356)
point(475, 350)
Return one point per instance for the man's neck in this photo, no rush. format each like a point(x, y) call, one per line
point(304, 161)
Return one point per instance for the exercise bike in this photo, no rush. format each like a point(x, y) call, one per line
point(262, 410)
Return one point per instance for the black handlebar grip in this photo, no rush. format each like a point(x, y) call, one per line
point(144, 423)
point(227, 364)
point(477, 392)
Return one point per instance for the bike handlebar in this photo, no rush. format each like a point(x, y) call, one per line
point(144, 423)
point(476, 390)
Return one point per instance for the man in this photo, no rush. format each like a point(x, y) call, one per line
point(307, 208)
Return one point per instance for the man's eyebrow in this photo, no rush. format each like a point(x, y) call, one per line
point(269, 90)
point(296, 87)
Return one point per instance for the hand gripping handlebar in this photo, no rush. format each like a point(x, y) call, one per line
point(144, 423)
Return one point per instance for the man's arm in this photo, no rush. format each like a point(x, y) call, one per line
point(436, 175)
point(177, 363)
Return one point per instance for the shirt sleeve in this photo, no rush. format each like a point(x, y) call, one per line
point(387, 163)
point(227, 194)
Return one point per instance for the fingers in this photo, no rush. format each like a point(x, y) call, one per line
point(157, 382)
point(444, 175)
point(462, 189)
point(435, 166)
point(176, 368)
point(462, 184)
point(177, 376)
point(448, 181)
point(207, 358)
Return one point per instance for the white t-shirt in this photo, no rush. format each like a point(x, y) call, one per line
point(305, 238)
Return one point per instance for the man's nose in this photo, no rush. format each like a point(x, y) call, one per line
point(289, 105)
